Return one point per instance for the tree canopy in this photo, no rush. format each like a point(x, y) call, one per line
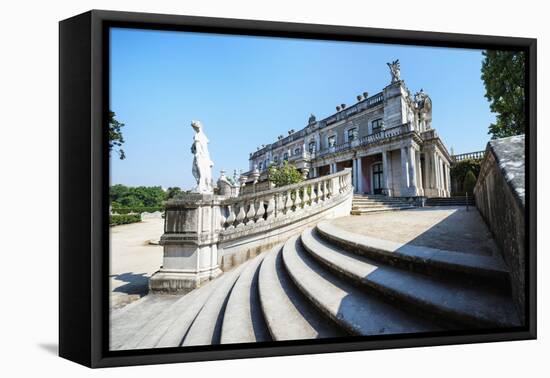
point(287, 174)
point(139, 196)
point(116, 139)
point(503, 73)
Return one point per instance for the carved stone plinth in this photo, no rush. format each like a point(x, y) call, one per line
point(191, 228)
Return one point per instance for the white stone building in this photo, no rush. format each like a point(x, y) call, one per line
point(387, 139)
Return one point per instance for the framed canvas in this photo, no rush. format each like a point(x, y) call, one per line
point(234, 188)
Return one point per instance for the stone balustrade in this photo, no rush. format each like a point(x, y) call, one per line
point(279, 203)
point(206, 234)
point(477, 155)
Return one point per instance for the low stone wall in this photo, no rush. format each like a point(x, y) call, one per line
point(206, 234)
point(500, 198)
point(239, 246)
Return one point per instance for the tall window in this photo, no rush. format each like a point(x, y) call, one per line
point(377, 125)
point(352, 134)
point(285, 156)
point(297, 151)
point(331, 140)
point(276, 159)
point(312, 147)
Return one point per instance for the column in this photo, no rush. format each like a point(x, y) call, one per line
point(419, 183)
point(404, 172)
point(354, 175)
point(442, 176)
point(412, 171)
point(315, 172)
point(359, 176)
point(449, 178)
point(436, 173)
point(386, 171)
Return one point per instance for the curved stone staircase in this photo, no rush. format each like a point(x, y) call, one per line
point(373, 203)
point(324, 283)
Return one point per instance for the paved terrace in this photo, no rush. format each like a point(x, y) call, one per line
point(133, 259)
point(448, 228)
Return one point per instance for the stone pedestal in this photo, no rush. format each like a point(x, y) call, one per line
point(191, 228)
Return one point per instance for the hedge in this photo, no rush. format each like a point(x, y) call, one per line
point(136, 210)
point(116, 219)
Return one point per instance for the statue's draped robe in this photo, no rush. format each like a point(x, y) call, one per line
point(202, 165)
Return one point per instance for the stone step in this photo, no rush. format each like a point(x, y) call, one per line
point(168, 329)
point(125, 321)
point(206, 328)
point(288, 314)
point(350, 307)
point(458, 302)
point(375, 210)
point(419, 258)
point(385, 199)
point(243, 321)
point(378, 205)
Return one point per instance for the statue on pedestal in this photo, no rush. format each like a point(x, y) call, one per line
point(395, 70)
point(202, 165)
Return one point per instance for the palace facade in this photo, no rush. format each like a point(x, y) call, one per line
point(387, 139)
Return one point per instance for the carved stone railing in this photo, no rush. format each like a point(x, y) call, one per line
point(385, 134)
point(250, 210)
point(368, 139)
point(477, 155)
point(205, 234)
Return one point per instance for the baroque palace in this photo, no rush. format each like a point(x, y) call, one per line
point(387, 139)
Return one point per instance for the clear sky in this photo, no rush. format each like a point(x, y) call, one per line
point(248, 90)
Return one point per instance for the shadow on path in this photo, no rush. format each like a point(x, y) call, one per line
point(136, 284)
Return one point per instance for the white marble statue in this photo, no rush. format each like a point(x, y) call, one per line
point(202, 165)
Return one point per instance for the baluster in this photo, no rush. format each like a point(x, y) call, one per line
point(314, 193)
point(306, 195)
point(270, 207)
point(251, 213)
point(240, 216)
point(288, 202)
point(298, 200)
point(231, 217)
point(280, 205)
point(261, 211)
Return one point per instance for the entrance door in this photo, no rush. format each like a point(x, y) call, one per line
point(377, 178)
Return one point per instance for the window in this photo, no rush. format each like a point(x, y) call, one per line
point(312, 147)
point(297, 151)
point(331, 141)
point(352, 134)
point(377, 125)
point(260, 166)
point(285, 156)
point(276, 159)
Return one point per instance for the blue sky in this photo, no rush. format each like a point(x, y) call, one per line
point(248, 90)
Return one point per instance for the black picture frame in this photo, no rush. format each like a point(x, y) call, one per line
point(84, 180)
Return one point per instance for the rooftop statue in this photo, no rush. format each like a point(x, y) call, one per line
point(395, 70)
point(202, 165)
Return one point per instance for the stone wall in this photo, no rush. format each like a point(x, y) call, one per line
point(500, 198)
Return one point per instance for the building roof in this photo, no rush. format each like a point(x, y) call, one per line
point(510, 156)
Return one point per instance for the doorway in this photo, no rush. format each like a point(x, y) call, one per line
point(377, 178)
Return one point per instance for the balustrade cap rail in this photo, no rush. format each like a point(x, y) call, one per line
point(248, 197)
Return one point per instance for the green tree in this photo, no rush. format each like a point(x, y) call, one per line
point(287, 174)
point(172, 192)
point(116, 139)
point(460, 169)
point(133, 197)
point(469, 182)
point(503, 73)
